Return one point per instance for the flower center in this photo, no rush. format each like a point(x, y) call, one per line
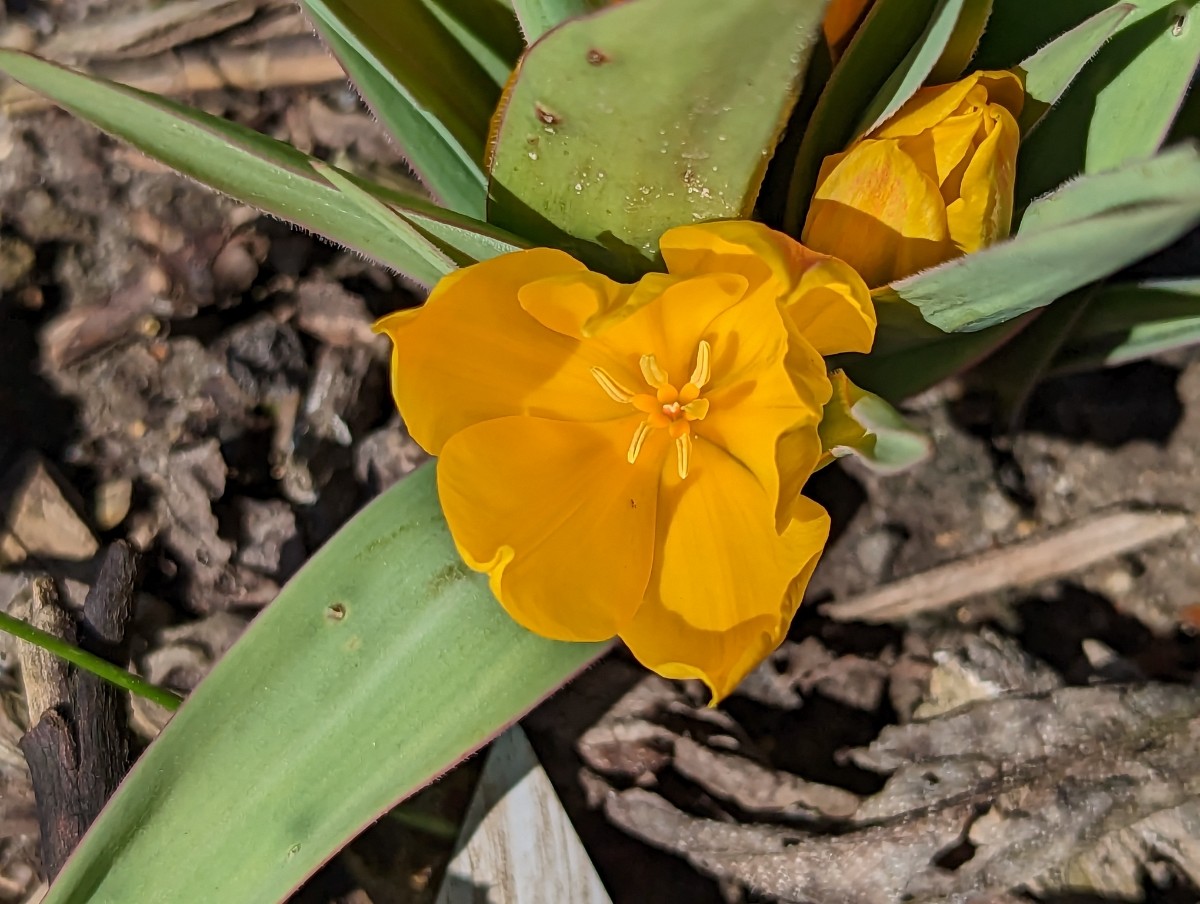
point(667, 407)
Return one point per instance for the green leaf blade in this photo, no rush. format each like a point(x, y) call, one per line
point(1129, 321)
point(347, 693)
point(916, 66)
point(1162, 179)
point(595, 144)
point(539, 16)
point(267, 174)
point(1030, 271)
point(1050, 71)
point(1122, 104)
point(424, 86)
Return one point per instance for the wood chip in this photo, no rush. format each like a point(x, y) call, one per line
point(1052, 555)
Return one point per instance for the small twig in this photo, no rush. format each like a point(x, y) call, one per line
point(101, 668)
point(1041, 558)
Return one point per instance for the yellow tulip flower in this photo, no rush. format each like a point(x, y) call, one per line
point(628, 459)
point(932, 183)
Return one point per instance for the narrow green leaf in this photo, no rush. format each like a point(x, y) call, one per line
point(1129, 321)
point(915, 67)
point(878, 48)
point(1029, 271)
point(860, 423)
point(486, 29)
point(424, 86)
point(1049, 72)
point(539, 16)
point(1017, 29)
point(1164, 179)
point(1027, 359)
point(387, 218)
point(381, 664)
point(265, 173)
point(963, 41)
point(643, 116)
point(912, 369)
point(1121, 106)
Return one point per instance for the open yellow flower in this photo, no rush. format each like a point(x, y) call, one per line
point(627, 459)
point(933, 182)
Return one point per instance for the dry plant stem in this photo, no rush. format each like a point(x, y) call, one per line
point(78, 746)
point(1041, 558)
point(289, 62)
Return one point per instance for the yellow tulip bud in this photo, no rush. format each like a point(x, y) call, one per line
point(932, 183)
point(842, 18)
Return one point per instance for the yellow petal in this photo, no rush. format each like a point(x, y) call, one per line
point(842, 18)
point(471, 353)
point(943, 150)
point(560, 521)
point(930, 106)
point(877, 211)
point(725, 584)
point(831, 307)
point(982, 214)
point(758, 392)
point(668, 320)
point(798, 454)
point(826, 298)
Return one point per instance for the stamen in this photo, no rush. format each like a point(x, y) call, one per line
point(654, 374)
point(683, 454)
point(615, 390)
point(696, 409)
point(639, 439)
point(702, 372)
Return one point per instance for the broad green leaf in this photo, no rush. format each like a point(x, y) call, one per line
point(486, 29)
point(1029, 271)
point(424, 86)
point(878, 48)
point(1163, 179)
point(860, 423)
point(380, 665)
point(915, 67)
point(263, 172)
point(1049, 72)
point(911, 369)
point(1129, 321)
point(1122, 105)
point(539, 16)
point(643, 116)
point(963, 41)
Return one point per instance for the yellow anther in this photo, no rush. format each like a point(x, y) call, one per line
point(615, 390)
point(703, 356)
point(696, 409)
point(639, 440)
point(654, 374)
point(683, 454)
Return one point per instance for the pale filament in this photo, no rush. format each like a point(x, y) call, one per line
point(667, 407)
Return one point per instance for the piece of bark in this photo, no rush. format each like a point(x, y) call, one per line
point(1074, 791)
point(78, 745)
